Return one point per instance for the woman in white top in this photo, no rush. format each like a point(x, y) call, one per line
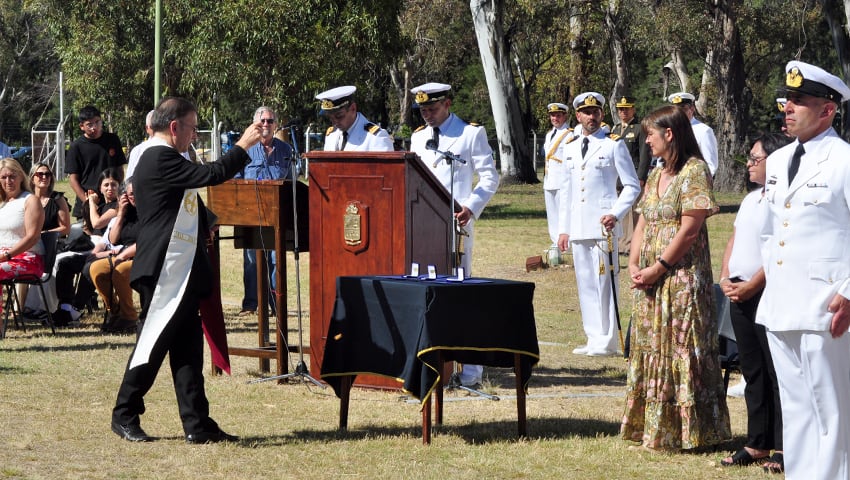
point(21, 217)
point(742, 281)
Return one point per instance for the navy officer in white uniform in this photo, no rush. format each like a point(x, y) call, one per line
point(553, 170)
point(469, 142)
point(589, 209)
point(705, 135)
point(350, 130)
point(806, 257)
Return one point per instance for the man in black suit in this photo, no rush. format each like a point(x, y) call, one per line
point(171, 271)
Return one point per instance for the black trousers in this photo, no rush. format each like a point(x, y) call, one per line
point(182, 340)
point(764, 413)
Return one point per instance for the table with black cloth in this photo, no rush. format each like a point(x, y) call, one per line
point(406, 328)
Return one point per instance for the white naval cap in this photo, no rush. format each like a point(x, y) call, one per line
point(557, 107)
point(431, 92)
point(336, 97)
point(681, 98)
point(588, 99)
point(808, 79)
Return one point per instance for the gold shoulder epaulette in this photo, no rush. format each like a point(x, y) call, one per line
point(475, 124)
point(420, 128)
point(372, 128)
point(330, 129)
point(613, 136)
point(572, 137)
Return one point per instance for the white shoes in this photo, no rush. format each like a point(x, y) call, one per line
point(737, 390)
point(75, 315)
point(581, 350)
point(602, 353)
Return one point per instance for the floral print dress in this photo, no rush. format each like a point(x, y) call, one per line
point(674, 393)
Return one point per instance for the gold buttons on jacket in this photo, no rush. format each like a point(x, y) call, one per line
point(782, 243)
point(779, 262)
point(788, 205)
point(785, 223)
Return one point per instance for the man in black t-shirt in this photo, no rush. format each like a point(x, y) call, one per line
point(90, 155)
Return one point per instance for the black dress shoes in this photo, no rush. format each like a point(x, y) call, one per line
point(211, 437)
point(131, 433)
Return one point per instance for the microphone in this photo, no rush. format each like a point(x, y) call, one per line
point(432, 145)
point(293, 124)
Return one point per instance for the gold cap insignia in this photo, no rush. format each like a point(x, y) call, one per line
point(591, 101)
point(624, 100)
point(794, 79)
point(421, 97)
point(327, 104)
point(781, 107)
point(676, 99)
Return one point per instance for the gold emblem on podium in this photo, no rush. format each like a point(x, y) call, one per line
point(352, 225)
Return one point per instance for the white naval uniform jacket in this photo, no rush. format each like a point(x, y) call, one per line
point(470, 143)
point(806, 249)
point(553, 151)
point(360, 139)
point(589, 190)
point(707, 142)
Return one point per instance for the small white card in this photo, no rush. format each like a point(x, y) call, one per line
point(432, 272)
point(414, 269)
point(460, 274)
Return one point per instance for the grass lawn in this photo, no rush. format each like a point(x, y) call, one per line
point(56, 395)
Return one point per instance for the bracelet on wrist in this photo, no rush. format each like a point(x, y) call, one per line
point(664, 263)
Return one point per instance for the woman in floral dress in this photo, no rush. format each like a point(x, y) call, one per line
point(674, 395)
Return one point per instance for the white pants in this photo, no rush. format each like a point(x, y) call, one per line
point(553, 200)
point(595, 295)
point(813, 371)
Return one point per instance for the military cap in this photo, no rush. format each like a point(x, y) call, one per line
point(681, 98)
point(336, 97)
point(431, 92)
point(625, 102)
point(808, 79)
point(780, 104)
point(588, 99)
point(557, 107)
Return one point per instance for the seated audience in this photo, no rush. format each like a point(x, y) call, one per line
point(21, 218)
point(109, 270)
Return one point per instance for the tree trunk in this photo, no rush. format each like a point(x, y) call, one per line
point(622, 82)
point(838, 19)
point(513, 147)
point(681, 70)
point(732, 109)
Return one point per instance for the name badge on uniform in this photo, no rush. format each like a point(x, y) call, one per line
point(817, 185)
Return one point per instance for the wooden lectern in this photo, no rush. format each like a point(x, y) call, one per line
point(371, 213)
point(261, 213)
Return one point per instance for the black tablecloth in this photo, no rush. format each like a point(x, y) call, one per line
point(396, 327)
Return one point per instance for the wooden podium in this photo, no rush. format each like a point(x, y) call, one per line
point(371, 213)
point(261, 213)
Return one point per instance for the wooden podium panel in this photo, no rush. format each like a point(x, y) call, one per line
point(371, 213)
point(262, 216)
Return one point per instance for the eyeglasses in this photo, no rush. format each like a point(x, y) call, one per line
point(193, 127)
point(267, 120)
point(755, 160)
point(92, 125)
point(43, 174)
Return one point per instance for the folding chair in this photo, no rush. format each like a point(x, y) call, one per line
point(12, 303)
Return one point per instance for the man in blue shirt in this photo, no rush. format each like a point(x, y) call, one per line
point(271, 159)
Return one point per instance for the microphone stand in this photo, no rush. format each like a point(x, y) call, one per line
point(454, 261)
point(301, 370)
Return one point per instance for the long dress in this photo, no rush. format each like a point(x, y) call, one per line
point(674, 394)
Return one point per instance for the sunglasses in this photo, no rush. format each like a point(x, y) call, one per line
point(267, 120)
point(43, 174)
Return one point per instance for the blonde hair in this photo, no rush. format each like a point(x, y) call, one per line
point(18, 170)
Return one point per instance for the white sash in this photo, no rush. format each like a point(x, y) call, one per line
point(172, 278)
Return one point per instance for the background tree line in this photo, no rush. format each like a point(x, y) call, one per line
point(237, 55)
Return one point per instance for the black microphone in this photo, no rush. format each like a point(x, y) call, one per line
point(432, 145)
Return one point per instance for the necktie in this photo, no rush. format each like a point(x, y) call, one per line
point(435, 135)
point(344, 140)
point(552, 135)
point(584, 143)
point(795, 162)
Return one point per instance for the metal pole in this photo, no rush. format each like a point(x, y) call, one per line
point(157, 53)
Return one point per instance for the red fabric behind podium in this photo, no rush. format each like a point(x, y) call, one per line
point(371, 213)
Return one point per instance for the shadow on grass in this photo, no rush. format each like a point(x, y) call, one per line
point(599, 376)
